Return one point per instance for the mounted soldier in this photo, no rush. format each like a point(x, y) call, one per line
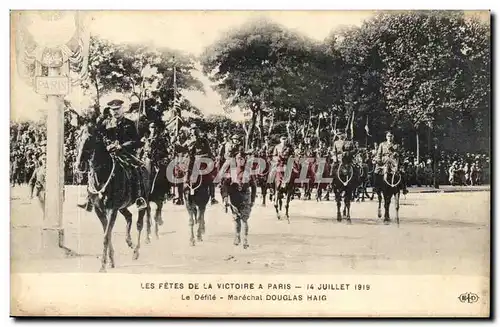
point(385, 152)
point(121, 138)
point(228, 152)
point(198, 146)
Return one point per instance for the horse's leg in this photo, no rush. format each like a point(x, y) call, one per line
point(318, 193)
point(237, 225)
point(276, 203)
point(140, 225)
point(347, 206)
point(159, 206)
point(158, 218)
point(201, 224)
point(148, 222)
point(344, 213)
point(287, 204)
point(387, 205)
point(396, 200)
point(128, 218)
point(191, 212)
point(107, 246)
point(338, 200)
point(102, 218)
point(379, 212)
point(245, 232)
point(264, 193)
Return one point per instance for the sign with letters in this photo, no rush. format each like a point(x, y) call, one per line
point(52, 85)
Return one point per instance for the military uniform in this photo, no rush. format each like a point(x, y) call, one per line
point(121, 138)
point(282, 152)
point(123, 132)
point(385, 151)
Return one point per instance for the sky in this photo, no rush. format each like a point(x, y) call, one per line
point(188, 31)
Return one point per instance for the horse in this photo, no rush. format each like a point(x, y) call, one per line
point(327, 172)
point(365, 178)
point(284, 184)
point(156, 164)
point(111, 189)
point(261, 179)
point(241, 195)
point(389, 184)
point(160, 187)
point(345, 181)
point(196, 194)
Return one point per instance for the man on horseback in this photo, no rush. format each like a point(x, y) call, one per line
point(228, 152)
point(122, 139)
point(198, 146)
point(385, 152)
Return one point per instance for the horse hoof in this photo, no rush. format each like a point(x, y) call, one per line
point(349, 222)
point(148, 240)
point(130, 244)
point(102, 270)
point(200, 239)
point(160, 222)
point(339, 219)
point(192, 243)
point(112, 265)
point(236, 242)
point(136, 255)
point(246, 246)
point(387, 221)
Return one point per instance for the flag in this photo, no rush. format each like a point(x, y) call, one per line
point(352, 125)
point(367, 129)
point(319, 123)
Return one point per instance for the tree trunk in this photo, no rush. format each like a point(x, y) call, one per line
point(418, 148)
point(96, 84)
point(435, 159)
point(251, 130)
point(261, 129)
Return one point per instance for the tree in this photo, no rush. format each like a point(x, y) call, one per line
point(259, 68)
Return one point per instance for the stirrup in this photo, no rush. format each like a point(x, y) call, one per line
point(141, 203)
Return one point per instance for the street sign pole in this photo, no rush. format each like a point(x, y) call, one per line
point(51, 55)
point(53, 228)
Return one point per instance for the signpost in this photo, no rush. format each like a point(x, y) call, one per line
point(53, 230)
point(46, 43)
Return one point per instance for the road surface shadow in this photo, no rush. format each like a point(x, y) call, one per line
point(440, 223)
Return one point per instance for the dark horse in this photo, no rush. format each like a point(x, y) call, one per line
point(389, 183)
point(365, 177)
point(241, 192)
point(196, 197)
point(285, 175)
point(111, 188)
point(345, 181)
point(160, 187)
point(156, 158)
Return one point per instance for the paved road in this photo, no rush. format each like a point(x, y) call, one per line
point(440, 233)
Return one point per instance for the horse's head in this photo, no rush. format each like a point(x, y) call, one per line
point(86, 144)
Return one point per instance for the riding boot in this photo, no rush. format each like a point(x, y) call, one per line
point(87, 205)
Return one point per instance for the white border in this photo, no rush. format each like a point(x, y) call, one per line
point(188, 5)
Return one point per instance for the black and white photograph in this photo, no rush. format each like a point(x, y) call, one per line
point(326, 158)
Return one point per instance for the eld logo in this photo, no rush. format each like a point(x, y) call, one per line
point(468, 297)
